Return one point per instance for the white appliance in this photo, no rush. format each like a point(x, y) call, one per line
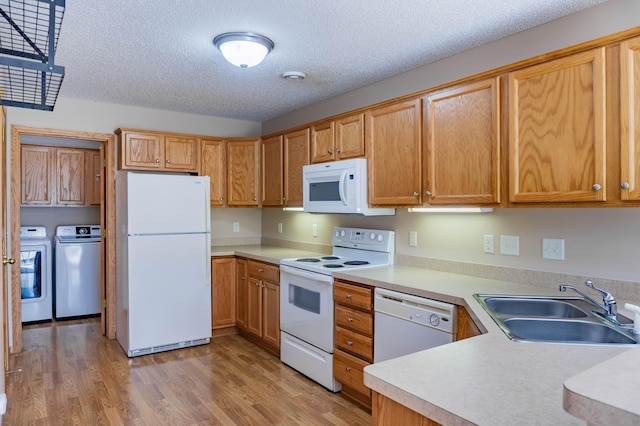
point(339, 187)
point(405, 324)
point(77, 283)
point(163, 262)
point(306, 299)
point(36, 287)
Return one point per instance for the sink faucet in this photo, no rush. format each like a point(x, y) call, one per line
point(608, 301)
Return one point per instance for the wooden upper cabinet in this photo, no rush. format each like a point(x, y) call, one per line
point(140, 150)
point(36, 175)
point(630, 119)
point(213, 163)
point(180, 153)
point(393, 144)
point(243, 172)
point(296, 155)
point(70, 177)
point(349, 139)
point(272, 156)
point(557, 130)
point(462, 134)
point(338, 139)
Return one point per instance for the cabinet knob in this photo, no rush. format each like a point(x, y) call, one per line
point(348, 296)
point(97, 177)
point(243, 278)
point(260, 270)
point(415, 194)
point(258, 284)
point(8, 260)
point(278, 198)
point(168, 161)
point(596, 187)
point(157, 160)
point(284, 198)
point(349, 342)
point(624, 185)
point(329, 151)
point(428, 193)
point(221, 198)
point(337, 150)
point(350, 319)
point(347, 369)
point(254, 198)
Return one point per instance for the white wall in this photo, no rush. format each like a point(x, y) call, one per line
point(250, 226)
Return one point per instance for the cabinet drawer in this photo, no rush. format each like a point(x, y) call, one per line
point(265, 271)
point(359, 321)
point(352, 295)
point(354, 343)
point(348, 370)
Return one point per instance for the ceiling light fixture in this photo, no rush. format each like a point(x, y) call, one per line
point(293, 75)
point(244, 50)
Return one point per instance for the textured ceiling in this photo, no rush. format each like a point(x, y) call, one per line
point(159, 53)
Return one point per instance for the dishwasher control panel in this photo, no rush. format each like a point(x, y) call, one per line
point(427, 312)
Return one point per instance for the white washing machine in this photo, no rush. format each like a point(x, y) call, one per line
point(35, 274)
point(77, 281)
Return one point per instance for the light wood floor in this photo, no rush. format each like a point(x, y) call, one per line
point(68, 374)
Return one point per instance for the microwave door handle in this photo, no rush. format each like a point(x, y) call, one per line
point(342, 188)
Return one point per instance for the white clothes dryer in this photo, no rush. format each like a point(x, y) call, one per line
point(36, 275)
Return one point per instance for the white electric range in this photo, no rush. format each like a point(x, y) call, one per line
point(306, 298)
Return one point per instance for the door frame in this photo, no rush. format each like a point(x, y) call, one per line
point(107, 219)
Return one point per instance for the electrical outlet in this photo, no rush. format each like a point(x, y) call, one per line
point(236, 226)
point(510, 245)
point(314, 230)
point(279, 227)
point(488, 244)
point(413, 238)
point(553, 248)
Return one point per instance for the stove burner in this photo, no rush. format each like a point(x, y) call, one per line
point(356, 262)
point(333, 265)
point(308, 259)
point(329, 258)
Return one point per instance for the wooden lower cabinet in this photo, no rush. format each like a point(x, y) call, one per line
point(262, 307)
point(466, 327)
point(223, 293)
point(353, 338)
point(242, 286)
point(387, 412)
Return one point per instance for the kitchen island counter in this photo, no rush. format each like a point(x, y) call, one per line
point(489, 379)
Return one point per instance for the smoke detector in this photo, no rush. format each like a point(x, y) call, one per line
point(293, 75)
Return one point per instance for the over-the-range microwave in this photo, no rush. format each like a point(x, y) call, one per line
point(339, 187)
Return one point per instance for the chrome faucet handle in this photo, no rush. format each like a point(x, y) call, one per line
point(610, 305)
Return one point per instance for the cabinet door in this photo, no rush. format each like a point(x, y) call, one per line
point(242, 284)
point(322, 142)
point(557, 130)
point(180, 153)
point(350, 137)
point(223, 292)
point(462, 133)
point(36, 171)
point(213, 163)
point(70, 181)
point(393, 147)
point(243, 172)
point(142, 151)
point(630, 119)
point(271, 313)
point(254, 306)
point(296, 155)
point(272, 171)
point(94, 175)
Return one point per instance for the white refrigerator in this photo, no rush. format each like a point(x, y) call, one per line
point(163, 262)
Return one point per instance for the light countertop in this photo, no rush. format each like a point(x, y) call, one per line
point(489, 379)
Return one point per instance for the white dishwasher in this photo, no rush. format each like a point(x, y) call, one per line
point(405, 324)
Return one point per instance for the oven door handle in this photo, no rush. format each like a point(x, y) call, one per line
point(328, 279)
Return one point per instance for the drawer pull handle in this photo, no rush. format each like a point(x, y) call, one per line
point(349, 342)
point(260, 270)
point(347, 369)
point(350, 319)
point(348, 296)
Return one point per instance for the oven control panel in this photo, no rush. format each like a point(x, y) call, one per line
point(369, 239)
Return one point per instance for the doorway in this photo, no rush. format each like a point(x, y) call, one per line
point(107, 221)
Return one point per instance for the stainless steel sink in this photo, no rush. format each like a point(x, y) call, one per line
point(566, 331)
point(534, 307)
point(550, 319)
